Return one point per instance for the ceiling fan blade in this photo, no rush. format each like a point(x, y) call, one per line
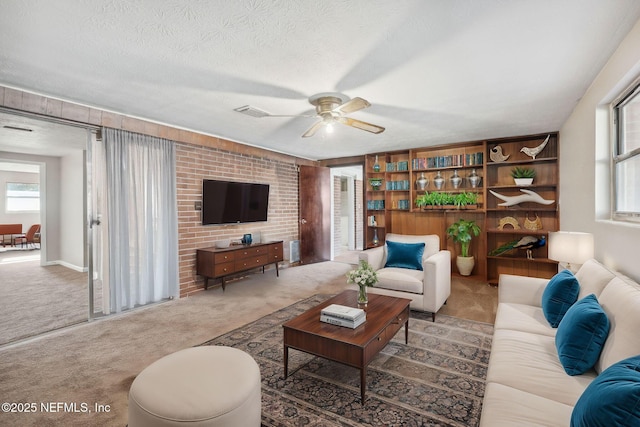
point(352, 105)
point(313, 129)
point(292, 115)
point(361, 125)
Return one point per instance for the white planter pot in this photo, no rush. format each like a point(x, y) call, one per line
point(465, 265)
point(523, 182)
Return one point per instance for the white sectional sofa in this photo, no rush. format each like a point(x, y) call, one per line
point(526, 383)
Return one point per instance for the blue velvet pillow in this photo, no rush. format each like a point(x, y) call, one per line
point(581, 335)
point(405, 255)
point(560, 294)
point(612, 399)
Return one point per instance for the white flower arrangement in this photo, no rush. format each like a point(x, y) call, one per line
point(364, 275)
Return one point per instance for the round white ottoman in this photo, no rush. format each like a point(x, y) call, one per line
point(199, 386)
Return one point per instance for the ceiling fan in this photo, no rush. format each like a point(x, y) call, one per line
point(332, 108)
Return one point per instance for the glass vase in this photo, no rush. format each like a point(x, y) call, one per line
point(362, 294)
point(376, 165)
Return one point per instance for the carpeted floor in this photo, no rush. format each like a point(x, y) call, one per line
point(37, 299)
point(95, 362)
point(437, 379)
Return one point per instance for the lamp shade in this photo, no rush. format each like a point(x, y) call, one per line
point(571, 247)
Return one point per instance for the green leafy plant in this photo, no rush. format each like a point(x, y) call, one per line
point(522, 172)
point(438, 198)
point(464, 199)
point(462, 232)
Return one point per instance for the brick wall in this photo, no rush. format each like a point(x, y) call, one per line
point(198, 156)
point(195, 163)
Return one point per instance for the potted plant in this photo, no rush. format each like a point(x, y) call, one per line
point(462, 232)
point(523, 176)
point(375, 183)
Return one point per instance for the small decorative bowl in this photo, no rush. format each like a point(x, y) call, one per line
point(224, 243)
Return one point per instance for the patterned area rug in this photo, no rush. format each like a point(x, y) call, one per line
point(436, 380)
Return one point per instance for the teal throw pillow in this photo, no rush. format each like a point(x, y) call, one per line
point(612, 399)
point(581, 335)
point(560, 294)
point(405, 255)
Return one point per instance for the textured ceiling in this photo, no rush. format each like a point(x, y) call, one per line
point(434, 71)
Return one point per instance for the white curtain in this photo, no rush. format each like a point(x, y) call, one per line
point(142, 219)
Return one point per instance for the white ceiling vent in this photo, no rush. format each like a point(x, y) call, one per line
point(251, 111)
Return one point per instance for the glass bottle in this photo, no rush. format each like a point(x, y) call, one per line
point(376, 165)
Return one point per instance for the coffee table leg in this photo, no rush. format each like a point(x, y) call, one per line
point(363, 383)
point(286, 361)
point(406, 332)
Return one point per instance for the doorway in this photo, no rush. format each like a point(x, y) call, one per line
point(47, 291)
point(347, 220)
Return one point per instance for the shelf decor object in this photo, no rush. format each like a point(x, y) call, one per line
point(533, 152)
point(376, 183)
point(438, 181)
point(571, 248)
point(422, 182)
point(497, 156)
point(474, 179)
point(508, 220)
point(455, 179)
point(529, 196)
point(532, 224)
point(376, 165)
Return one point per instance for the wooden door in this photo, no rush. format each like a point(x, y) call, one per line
point(314, 191)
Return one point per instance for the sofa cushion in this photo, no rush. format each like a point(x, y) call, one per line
point(560, 294)
point(405, 255)
point(593, 277)
point(581, 335)
point(620, 299)
point(529, 362)
point(505, 406)
point(522, 317)
point(612, 399)
point(400, 279)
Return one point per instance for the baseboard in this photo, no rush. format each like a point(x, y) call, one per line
point(68, 265)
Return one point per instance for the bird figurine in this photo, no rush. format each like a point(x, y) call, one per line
point(496, 154)
point(529, 196)
point(527, 243)
point(533, 152)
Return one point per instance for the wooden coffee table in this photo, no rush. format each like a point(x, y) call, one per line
point(352, 347)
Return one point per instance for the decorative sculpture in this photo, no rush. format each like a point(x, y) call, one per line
point(533, 224)
point(527, 243)
point(529, 196)
point(508, 220)
point(496, 154)
point(533, 152)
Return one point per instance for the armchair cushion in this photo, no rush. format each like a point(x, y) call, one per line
point(404, 255)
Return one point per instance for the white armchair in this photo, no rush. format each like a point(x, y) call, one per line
point(429, 288)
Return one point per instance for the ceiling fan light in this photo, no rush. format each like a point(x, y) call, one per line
point(329, 127)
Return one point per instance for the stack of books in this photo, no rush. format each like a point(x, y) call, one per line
point(341, 315)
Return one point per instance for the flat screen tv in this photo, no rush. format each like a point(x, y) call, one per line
point(228, 202)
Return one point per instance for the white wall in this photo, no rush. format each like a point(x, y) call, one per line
point(72, 212)
point(585, 163)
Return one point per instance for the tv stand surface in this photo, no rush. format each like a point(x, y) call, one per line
point(219, 263)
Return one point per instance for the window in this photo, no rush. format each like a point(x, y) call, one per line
point(23, 197)
point(626, 154)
